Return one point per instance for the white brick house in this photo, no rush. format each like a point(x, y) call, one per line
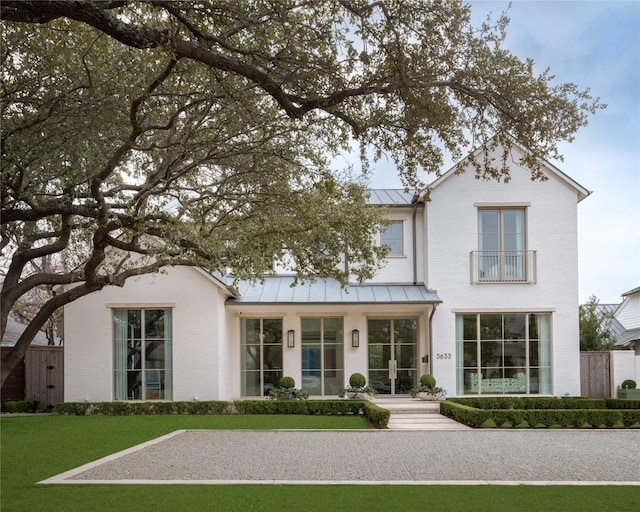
point(480, 288)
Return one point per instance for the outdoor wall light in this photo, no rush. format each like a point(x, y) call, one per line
point(355, 338)
point(291, 338)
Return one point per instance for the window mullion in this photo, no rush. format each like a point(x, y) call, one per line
point(322, 362)
point(261, 350)
point(526, 355)
point(479, 353)
point(143, 362)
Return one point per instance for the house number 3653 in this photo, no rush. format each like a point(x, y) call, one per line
point(443, 355)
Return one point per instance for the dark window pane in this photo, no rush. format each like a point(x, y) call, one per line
point(491, 327)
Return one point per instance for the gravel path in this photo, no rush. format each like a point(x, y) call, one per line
point(220, 456)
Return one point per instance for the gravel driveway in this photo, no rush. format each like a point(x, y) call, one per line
point(367, 457)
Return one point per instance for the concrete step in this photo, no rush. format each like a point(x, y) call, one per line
point(408, 406)
point(425, 422)
point(416, 414)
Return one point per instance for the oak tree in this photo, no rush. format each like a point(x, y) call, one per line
point(141, 135)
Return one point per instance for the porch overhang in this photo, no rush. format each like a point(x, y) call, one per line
point(279, 290)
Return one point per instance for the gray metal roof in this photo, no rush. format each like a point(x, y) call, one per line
point(279, 290)
point(614, 324)
point(390, 197)
point(631, 292)
point(627, 337)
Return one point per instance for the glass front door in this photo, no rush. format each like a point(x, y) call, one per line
point(261, 355)
point(393, 354)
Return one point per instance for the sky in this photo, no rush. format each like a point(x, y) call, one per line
point(595, 44)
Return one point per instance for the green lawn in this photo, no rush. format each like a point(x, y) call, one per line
point(35, 448)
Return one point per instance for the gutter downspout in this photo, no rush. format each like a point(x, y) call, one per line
point(433, 311)
point(414, 202)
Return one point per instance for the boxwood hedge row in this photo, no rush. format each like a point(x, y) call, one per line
point(542, 402)
point(570, 417)
point(127, 408)
point(16, 406)
point(377, 416)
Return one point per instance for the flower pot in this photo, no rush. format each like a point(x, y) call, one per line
point(629, 394)
point(428, 396)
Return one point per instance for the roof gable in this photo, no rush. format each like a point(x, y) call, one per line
point(549, 170)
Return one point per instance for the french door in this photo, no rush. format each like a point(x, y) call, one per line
point(261, 356)
point(393, 354)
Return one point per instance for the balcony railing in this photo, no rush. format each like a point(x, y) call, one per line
point(503, 267)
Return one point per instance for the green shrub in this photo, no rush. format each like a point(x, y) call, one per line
point(522, 418)
point(270, 406)
point(357, 386)
point(428, 381)
point(137, 408)
point(287, 394)
point(543, 402)
point(287, 383)
point(322, 407)
point(22, 406)
point(376, 415)
point(629, 384)
point(357, 380)
point(620, 403)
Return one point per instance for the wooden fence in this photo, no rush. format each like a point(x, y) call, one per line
point(40, 376)
point(595, 374)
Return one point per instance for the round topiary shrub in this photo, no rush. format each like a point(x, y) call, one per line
point(287, 383)
point(629, 384)
point(357, 380)
point(428, 380)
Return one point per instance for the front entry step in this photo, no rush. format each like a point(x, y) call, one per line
point(415, 414)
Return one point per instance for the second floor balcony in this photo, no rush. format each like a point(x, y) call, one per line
point(503, 267)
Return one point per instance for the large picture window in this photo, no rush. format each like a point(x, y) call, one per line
point(261, 355)
point(322, 355)
point(142, 342)
point(503, 353)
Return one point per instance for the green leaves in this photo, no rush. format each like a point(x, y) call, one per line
point(201, 132)
point(595, 326)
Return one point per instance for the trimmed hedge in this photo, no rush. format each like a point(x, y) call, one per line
point(621, 403)
point(127, 408)
point(542, 402)
point(14, 406)
point(565, 418)
point(377, 416)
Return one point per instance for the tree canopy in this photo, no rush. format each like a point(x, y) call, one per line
point(595, 326)
point(203, 133)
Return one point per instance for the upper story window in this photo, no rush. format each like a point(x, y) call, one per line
point(502, 254)
point(501, 230)
point(391, 237)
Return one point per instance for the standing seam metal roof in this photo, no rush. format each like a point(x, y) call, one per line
point(279, 290)
point(390, 197)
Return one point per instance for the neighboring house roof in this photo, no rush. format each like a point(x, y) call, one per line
point(279, 290)
point(628, 337)
point(631, 292)
point(15, 329)
point(549, 168)
point(614, 324)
